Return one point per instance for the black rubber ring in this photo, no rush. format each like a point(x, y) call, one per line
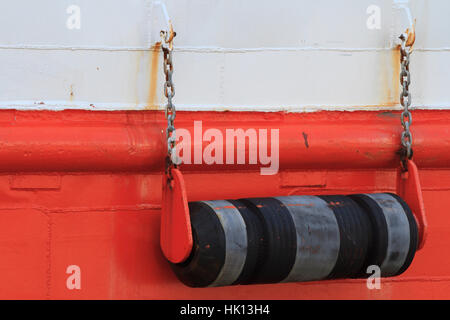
point(355, 236)
point(378, 247)
point(280, 240)
point(413, 234)
point(255, 239)
point(208, 253)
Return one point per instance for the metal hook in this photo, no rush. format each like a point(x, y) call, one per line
point(168, 34)
point(410, 29)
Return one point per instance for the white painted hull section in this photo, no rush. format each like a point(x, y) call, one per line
point(292, 55)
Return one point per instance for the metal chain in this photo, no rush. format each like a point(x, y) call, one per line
point(172, 160)
point(405, 98)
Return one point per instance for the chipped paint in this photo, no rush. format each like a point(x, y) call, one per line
point(305, 137)
point(71, 94)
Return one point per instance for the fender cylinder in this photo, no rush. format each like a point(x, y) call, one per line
point(317, 238)
point(297, 238)
point(395, 232)
point(280, 240)
point(220, 245)
point(355, 236)
point(378, 246)
point(255, 243)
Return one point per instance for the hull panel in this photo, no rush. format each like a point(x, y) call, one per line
point(100, 211)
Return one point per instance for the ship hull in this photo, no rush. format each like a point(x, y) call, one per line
point(83, 189)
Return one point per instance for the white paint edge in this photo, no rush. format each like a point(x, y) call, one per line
point(93, 106)
point(206, 49)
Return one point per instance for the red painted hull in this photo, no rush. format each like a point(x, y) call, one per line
point(84, 188)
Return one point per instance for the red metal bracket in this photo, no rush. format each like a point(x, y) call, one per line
point(408, 187)
point(176, 233)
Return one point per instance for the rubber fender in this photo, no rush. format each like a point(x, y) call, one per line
point(355, 236)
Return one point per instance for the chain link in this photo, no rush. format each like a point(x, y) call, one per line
point(172, 160)
point(405, 98)
point(170, 110)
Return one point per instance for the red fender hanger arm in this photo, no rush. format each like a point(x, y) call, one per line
point(176, 233)
point(409, 188)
